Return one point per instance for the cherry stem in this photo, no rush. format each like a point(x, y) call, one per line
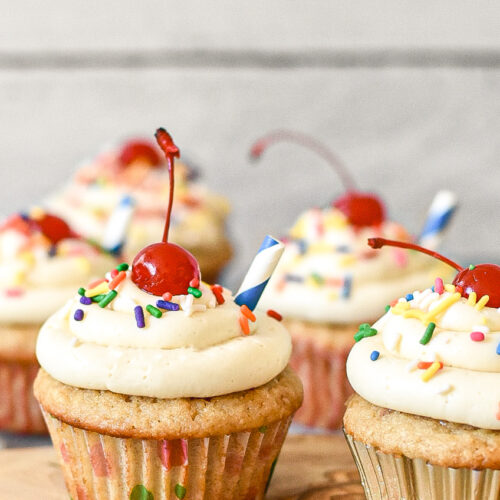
point(171, 151)
point(260, 145)
point(380, 242)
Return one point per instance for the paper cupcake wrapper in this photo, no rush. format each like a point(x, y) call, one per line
point(19, 410)
point(388, 477)
point(101, 467)
point(326, 388)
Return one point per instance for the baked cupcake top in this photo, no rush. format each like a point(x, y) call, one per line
point(435, 353)
point(41, 262)
point(154, 329)
point(136, 169)
point(328, 274)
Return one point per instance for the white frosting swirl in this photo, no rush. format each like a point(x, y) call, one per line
point(467, 387)
point(197, 351)
point(329, 274)
point(35, 279)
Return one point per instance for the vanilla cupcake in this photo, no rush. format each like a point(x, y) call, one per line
point(41, 262)
point(327, 283)
point(137, 170)
point(168, 388)
point(425, 420)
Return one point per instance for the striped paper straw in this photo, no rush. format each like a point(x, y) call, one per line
point(442, 208)
point(259, 272)
point(115, 233)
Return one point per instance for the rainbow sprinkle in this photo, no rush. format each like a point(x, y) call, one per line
point(247, 313)
point(168, 306)
point(482, 302)
point(245, 327)
point(278, 317)
point(364, 330)
point(122, 267)
point(428, 333)
point(477, 336)
point(498, 349)
point(195, 292)
point(107, 299)
point(139, 316)
point(97, 290)
point(374, 355)
point(154, 311)
point(431, 371)
point(85, 301)
point(78, 315)
point(439, 286)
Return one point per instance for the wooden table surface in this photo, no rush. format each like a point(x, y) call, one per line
point(311, 467)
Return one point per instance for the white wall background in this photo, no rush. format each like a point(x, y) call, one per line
point(407, 93)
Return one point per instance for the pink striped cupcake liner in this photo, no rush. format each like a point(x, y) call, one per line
point(236, 466)
point(19, 410)
point(326, 388)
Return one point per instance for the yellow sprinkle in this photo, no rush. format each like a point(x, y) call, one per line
point(101, 288)
point(449, 288)
point(483, 320)
point(319, 248)
point(37, 213)
point(19, 277)
point(431, 371)
point(482, 302)
point(472, 298)
point(334, 221)
point(415, 313)
point(347, 260)
point(442, 306)
point(400, 307)
point(28, 258)
point(312, 282)
point(83, 264)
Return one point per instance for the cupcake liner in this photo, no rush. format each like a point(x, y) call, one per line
point(101, 467)
point(326, 388)
point(386, 476)
point(19, 410)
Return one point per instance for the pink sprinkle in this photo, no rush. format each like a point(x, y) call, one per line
point(439, 286)
point(195, 283)
point(477, 336)
point(14, 292)
point(167, 296)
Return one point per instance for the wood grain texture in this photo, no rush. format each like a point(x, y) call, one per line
point(311, 467)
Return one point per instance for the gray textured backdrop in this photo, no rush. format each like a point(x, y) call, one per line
point(407, 93)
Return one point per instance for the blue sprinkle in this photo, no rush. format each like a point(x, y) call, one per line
point(343, 249)
point(139, 317)
point(78, 315)
point(346, 289)
point(374, 355)
point(498, 349)
point(86, 301)
point(302, 244)
point(168, 306)
point(294, 277)
point(432, 288)
point(52, 251)
point(409, 297)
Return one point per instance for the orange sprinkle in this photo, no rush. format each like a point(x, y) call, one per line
point(113, 273)
point(117, 280)
point(95, 283)
point(273, 314)
point(423, 365)
point(247, 313)
point(245, 327)
point(393, 303)
point(167, 296)
point(217, 291)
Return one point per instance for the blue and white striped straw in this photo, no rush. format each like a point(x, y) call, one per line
point(115, 233)
point(259, 272)
point(442, 208)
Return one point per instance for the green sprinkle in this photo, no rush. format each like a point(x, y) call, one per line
point(141, 493)
point(194, 291)
point(180, 491)
point(98, 298)
point(107, 298)
point(387, 308)
point(81, 291)
point(122, 267)
point(153, 311)
point(428, 333)
point(472, 267)
point(317, 278)
point(364, 330)
point(263, 429)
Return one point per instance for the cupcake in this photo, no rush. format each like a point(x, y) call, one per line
point(41, 262)
point(425, 420)
point(137, 170)
point(174, 389)
point(329, 281)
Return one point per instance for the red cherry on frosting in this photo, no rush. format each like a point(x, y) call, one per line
point(53, 228)
point(139, 150)
point(360, 209)
point(165, 267)
point(483, 279)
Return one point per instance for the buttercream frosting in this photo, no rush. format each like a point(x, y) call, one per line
point(198, 350)
point(466, 387)
point(329, 274)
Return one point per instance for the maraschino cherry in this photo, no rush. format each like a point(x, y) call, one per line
point(52, 227)
point(139, 150)
point(165, 267)
point(361, 209)
point(483, 279)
